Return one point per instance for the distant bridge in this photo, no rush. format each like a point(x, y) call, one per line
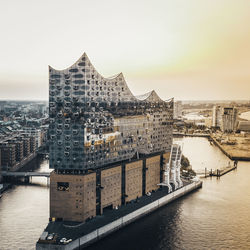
point(25, 174)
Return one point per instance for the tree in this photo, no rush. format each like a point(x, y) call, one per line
point(185, 162)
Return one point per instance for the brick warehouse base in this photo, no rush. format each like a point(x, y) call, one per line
point(83, 196)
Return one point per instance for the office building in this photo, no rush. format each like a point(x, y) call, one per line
point(225, 118)
point(177, 110)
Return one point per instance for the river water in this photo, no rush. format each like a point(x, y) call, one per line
point(214, 217)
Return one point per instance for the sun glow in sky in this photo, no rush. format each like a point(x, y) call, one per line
point(190, 50)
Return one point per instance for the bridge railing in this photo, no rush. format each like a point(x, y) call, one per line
point(25, 174)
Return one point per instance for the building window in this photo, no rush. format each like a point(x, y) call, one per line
point(78, 76)
point(73, 70)
point(62, 186)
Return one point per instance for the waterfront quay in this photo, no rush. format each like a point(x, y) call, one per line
point(220, 172)
point(238, 149)
point(191, 135)
point(82, 234)
point(214, 171)
point(217, 172)
point(235, 146)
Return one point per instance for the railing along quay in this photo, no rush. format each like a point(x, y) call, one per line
point(216, 172)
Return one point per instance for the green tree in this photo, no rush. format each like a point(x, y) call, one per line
point(185, 162)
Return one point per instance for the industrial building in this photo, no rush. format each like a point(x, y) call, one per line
point(107, 147)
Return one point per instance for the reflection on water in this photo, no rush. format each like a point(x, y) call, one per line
point(202, 155)
point(24, 213)
point(214, 217)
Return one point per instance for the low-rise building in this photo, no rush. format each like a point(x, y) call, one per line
point(38, 134)
point(18, 147)
point(8, 155)
point(244, 126)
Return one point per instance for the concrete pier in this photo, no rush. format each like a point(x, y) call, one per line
point(83, 235)
point(220, 172)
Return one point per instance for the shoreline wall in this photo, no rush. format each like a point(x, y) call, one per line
point(233, 158)
point(99, 233)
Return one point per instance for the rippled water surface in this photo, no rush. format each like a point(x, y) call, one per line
point(214, 217)
point(24, 213)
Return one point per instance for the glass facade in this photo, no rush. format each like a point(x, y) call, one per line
point(96, 121)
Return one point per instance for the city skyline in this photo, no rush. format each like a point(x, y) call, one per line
point(191, 51)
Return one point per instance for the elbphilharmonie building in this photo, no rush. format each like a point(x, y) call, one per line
point(107, 146)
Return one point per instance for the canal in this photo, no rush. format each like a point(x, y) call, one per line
point(214, 217)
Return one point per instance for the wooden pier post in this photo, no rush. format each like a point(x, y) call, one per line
point(218, 173)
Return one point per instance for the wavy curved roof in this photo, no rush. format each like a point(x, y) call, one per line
point(149, 97)
point(84, 61)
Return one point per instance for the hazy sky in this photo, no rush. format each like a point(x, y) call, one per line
point(190, 49)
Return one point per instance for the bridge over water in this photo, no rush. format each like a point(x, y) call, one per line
point(25, 174)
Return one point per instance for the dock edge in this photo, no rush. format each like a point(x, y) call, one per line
point(101, 232)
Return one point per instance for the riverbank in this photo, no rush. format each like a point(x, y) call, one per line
point(238, 150)
point(234, 146)
point(81, 235)
point(176, 134)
